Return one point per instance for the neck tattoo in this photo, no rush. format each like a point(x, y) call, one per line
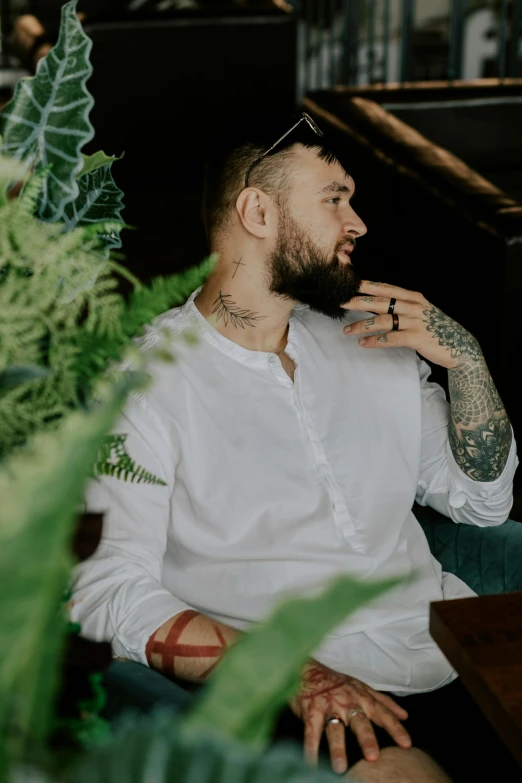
point(238, 264)
point(229, 311)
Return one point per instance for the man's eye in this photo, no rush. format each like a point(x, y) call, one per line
point(335, 200)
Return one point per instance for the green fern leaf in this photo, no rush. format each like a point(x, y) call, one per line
point(53, 290)
point(13, 377)
point(114, 460)
point(145, 304)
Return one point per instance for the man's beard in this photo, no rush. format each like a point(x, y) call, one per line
point(301, 271)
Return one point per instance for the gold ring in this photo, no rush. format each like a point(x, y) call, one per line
point(354, 712)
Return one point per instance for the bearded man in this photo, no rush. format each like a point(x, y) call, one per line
point(293, 441)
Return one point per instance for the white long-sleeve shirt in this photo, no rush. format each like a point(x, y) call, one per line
point(274, 487)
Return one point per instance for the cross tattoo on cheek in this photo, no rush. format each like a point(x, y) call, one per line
point(238, 264)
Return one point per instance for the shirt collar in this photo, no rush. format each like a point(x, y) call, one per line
point(243, 355)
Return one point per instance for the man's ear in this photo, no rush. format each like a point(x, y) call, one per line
point(253, 209)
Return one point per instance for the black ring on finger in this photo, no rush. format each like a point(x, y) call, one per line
point(391, 308)
point(395, 326)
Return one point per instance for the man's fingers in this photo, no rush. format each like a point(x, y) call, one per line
point(393, 726)
point(378, 301)
point(313, 729)
point(388, 702)
point(381, 304)
point(363, 730)
point(336, 736)
point(389, 340)
point(381, 323)
point(385, 289)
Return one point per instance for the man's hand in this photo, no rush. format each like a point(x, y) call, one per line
point(421, 325)
point(325, 694)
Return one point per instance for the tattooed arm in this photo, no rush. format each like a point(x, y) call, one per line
point(479, 430)
point(189, 646)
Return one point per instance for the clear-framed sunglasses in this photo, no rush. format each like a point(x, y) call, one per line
point(303, 118)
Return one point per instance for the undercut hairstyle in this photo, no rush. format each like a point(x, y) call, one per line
point(225, 176)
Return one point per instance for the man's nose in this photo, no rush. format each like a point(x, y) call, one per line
point(354, 225)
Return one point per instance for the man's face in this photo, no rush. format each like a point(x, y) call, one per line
point(318, 229)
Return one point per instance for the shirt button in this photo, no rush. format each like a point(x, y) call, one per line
point(271, 359)
point(457, 500)
point(485, 493)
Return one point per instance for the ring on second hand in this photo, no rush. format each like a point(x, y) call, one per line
point(353, 713)
point(391, 308)
point(395, 326)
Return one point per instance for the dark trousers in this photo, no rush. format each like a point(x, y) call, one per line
point(446, 724)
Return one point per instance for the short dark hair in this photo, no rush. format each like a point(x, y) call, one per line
point(225, 174)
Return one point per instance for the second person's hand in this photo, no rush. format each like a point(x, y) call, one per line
point(326, 694)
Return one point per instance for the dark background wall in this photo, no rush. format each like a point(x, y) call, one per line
point(166, 90)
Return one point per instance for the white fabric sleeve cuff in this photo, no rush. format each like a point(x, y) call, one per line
point(147, 617)
point(491, 499)
point(156, 606)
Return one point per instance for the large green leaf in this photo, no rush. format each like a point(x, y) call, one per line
point(47, 121)
point(261, 672)
point(156, 750)
point(40, 488)
point(99, 201)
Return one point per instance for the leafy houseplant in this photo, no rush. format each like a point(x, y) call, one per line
point(62, 317)
point(61, 323)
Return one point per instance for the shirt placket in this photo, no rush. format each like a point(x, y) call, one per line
point(344, 522)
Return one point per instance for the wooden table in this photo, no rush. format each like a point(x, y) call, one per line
point(482, 639)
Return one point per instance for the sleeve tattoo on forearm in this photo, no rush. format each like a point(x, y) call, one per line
point(479, 429)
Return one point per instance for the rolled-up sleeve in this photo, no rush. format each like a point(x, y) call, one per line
point(442, 484)
point(117, 593)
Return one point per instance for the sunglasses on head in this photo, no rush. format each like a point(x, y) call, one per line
point(304, 118)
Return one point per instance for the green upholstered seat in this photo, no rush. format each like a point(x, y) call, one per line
point(488, 559)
